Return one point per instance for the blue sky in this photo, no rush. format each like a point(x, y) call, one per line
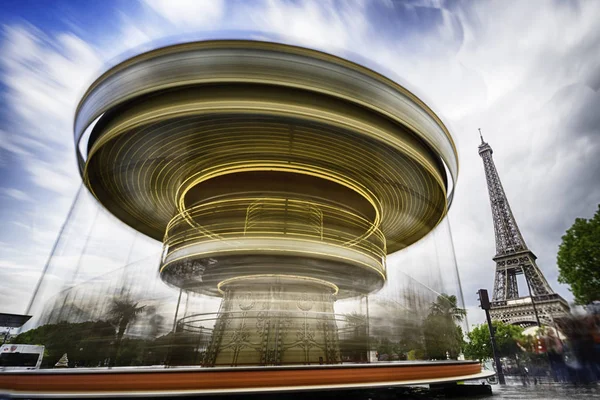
point(527, 73)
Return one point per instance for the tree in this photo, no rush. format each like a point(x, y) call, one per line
point(479, 346)
point(353, 338)
point(86, 343)
point(447, 307)
point(122, 312)
point(442, 336)
point(356, 323)
point(579, 259)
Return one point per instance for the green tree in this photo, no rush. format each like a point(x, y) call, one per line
point(442, 336)
point(479, 346)
point(86, 343)
point(132, 352)
point(122, 312)
point(579, 259)
point(447, 306)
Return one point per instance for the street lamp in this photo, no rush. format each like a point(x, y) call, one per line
point(484, 303)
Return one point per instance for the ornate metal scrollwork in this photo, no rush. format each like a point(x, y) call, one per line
point(304, 303)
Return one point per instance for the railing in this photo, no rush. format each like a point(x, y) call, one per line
point(527, 300)
point(204, 323)
point(275, 218)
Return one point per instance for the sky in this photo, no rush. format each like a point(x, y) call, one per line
point(526, 72)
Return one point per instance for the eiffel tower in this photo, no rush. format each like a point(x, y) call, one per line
point(541, 305)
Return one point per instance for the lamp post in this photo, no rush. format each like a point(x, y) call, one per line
point(484, 303)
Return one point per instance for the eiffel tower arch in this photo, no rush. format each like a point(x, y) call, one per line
point(513, 258)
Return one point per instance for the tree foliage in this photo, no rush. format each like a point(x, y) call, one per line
point(447, 307)
point(86, 343)
point(479, 346)
point(405, 343)
point(122, 312)
point(442, 336)
point(92, 344)
point(579, 259)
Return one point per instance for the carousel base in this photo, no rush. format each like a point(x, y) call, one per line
point(275, 320)
point(124, 382)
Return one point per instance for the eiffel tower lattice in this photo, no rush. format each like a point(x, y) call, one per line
point(513, 258)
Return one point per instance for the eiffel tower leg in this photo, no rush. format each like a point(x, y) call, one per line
point(512, 290)
point(500, 286)
point(538, 284)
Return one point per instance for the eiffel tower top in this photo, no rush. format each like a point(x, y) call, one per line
point(508, 236)
point(484, 146)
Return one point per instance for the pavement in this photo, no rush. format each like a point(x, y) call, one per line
point(546, 391)
point(553, 391)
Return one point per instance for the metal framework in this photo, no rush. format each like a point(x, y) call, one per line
point(512, 258)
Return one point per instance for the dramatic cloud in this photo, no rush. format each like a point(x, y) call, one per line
point(189, 14)
point(527, 73)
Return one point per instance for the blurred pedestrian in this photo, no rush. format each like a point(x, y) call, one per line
point(555, 350)
point(583, 349)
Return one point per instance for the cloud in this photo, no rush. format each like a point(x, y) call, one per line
point(19, 276)
point(43, 76)
point(538, 116)
point(15, 194)
point(60, 178)
point(315, 24)
point(527, 75)
point(189, 14)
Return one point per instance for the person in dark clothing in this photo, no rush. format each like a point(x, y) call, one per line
point(556, 357)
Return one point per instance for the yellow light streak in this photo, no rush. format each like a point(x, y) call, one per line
point(281, 276)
